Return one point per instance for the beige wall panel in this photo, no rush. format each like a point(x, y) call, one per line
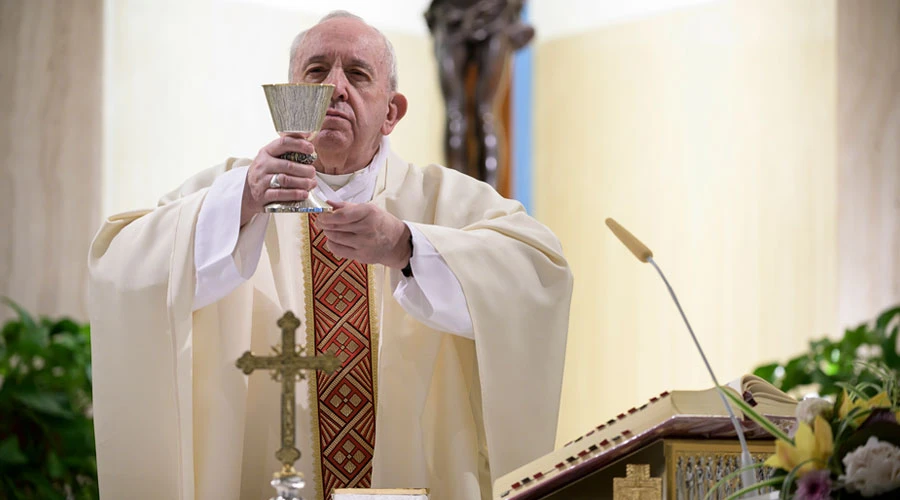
point(868, 44)
point(50, 97)
point(709, 132)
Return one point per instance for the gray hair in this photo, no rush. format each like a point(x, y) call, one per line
point(343, 14)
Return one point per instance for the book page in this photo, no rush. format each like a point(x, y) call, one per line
point(380, 494)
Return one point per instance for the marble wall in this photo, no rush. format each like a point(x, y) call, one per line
point(50, 151)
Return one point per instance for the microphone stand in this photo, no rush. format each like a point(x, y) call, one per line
point(748, 478)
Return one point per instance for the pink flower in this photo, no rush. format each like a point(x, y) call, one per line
point(815, 485)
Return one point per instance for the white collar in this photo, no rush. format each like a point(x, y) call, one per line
point(360, 185)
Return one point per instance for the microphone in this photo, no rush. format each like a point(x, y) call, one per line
point(644, 254)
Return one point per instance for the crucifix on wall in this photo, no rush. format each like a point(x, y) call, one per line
point(474, 41)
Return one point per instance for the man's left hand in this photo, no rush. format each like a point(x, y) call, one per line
point(366, 233)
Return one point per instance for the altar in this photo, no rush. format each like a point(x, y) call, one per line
point(678, 445)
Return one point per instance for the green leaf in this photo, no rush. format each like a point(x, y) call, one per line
point(823, 380)
point(10, 454)
point(756, 417)
point(762, 484)
point(36, 339)
point(10, 331)
point(854, 338)
point(43, 487)
point(876, 388)
point(796, 372)
point(847, 424)
point(889, 350)
point(767, 372)
point(24, 317)
point(43, 402)
point(885, 318)
point(55, 467)
point(820, 345)
point(64, 325)
point(854, 389)
point(66, 340)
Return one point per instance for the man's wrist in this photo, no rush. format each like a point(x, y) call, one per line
point(247, 211)
point(407, 271)
point(405, 251)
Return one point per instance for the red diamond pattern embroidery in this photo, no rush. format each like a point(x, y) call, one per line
point(345, 398)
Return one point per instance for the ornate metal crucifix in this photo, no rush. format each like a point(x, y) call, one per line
point(286, 367)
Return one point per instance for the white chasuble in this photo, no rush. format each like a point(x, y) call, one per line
point(175, 418)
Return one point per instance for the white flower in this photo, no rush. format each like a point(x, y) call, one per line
point(38, 363)
point(866, 352)
point(872, 469)
point(57, 371)
point(13, 361)
point(809, 408)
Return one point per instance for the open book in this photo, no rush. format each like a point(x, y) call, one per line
point(380, 494)
point(676, 414)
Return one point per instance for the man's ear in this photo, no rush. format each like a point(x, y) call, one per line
point(396, 111)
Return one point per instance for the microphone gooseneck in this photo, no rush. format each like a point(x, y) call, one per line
point(643, 253)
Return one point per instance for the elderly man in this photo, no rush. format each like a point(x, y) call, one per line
point(446, 303)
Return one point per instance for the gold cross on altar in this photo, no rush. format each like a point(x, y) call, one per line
point(286, 367)
point(637, 485)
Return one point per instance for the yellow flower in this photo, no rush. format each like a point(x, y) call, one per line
point(880, 400)
point(812, 447)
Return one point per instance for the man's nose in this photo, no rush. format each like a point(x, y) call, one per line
point(337, 78)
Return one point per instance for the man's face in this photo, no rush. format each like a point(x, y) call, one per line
point(353, 57)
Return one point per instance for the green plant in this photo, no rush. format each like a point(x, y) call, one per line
point(830, 363)
point(46, 429)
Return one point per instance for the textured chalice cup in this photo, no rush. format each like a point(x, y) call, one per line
point(299, 108)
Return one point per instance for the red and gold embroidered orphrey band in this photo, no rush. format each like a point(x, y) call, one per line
point(340, 301)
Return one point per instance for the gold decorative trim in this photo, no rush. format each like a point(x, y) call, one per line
point(759, 450)
point(375, 346)
point(315, 438)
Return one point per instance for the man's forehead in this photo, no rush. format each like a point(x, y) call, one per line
point(341, 36)
point(350, 41)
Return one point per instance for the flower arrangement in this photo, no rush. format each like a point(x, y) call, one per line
point(848, 448)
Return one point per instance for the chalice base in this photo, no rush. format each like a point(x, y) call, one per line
point(307, 206)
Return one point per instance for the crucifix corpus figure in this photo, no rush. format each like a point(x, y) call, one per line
point(287, 367)
point(482, 35)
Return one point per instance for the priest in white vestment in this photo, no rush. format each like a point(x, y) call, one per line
point(446, 303)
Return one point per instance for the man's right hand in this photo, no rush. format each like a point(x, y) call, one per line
point(296, 179)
